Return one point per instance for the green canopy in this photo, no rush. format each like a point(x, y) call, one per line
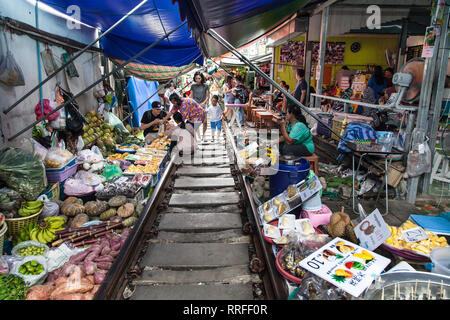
point(154, 73)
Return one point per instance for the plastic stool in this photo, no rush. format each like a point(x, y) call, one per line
point(314, 163)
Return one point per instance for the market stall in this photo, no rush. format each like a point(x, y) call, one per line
point(65, 215)
point(325, 255)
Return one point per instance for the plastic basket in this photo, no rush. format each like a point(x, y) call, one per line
point(59, 176)
point(321, 129)
point(3, 231)
point(68, 164)
point(53, 192)
point(15, 224)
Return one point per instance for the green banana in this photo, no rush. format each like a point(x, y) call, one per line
point(33, 235)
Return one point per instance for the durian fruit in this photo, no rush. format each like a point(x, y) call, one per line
point(338, 224)
point(350, 233)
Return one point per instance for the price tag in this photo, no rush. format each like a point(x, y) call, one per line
point(414, 234)
point(372, 231)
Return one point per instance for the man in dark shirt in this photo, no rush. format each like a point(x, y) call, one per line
point(301, 87)
point(151, 119)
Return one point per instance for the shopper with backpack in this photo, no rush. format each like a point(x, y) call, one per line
point(241, 96)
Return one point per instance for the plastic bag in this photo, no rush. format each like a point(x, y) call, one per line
point(114, 121)
point(31, 279)
point(57, 158)
point(24, 244)
point(112, 171)
point(419, 160)
point(23, 172)
point(89, 178)
point(10, 72)
point(75, 187)
point(51, 209)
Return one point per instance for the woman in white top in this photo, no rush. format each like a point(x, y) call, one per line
point(168, 93)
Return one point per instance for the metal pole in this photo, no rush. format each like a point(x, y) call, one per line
point(158, 92)
point(98, 81)
point(402, 45)
point(438, 93)
point(424, 105)
point(227, 45)
point(323, 48)
point(40, 84)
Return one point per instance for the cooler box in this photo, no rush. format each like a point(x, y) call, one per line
point(289, 172)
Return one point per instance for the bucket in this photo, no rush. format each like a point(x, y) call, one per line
point(440, 259)
point(287, 175)
point(314, 203)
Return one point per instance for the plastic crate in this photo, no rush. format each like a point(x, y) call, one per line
point(63, 175)
point(321, 129)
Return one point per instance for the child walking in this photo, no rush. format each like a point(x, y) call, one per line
point(216, 114)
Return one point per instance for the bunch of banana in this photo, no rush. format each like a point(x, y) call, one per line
point(29, 208)
point(24, 232)
point(44, 232)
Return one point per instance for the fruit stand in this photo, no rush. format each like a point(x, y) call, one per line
point(66, 221)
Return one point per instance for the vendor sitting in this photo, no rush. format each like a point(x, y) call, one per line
point(151, 120)
point(296, 138)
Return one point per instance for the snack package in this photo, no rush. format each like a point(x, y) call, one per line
point(57, 157)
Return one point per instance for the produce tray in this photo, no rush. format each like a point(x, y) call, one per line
point(407, 254)
point(125, 151)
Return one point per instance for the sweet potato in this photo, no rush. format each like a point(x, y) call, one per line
point(88, 296)
point(77, 286)
point(114, 253)
point(104, 265)
point(80, 256)
point(40, 292)
point(95, 289)
point(60, 281)
point(104, 259)
point(72, 296)
point(90, 278)
point(90, 267)
point(106, 250)
point(99, 276)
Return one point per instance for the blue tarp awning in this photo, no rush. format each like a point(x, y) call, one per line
point(138, 91)
point(147, 25)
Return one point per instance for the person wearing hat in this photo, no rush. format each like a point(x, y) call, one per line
point(151, 119)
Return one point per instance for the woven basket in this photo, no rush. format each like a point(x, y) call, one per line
point(2, 236)
point(15, 224)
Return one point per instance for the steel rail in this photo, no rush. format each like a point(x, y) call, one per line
point(115, 280)
point(276, 287)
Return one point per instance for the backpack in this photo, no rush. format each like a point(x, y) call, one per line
point(242, 95)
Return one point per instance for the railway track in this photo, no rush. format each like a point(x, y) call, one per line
point(197, 238)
